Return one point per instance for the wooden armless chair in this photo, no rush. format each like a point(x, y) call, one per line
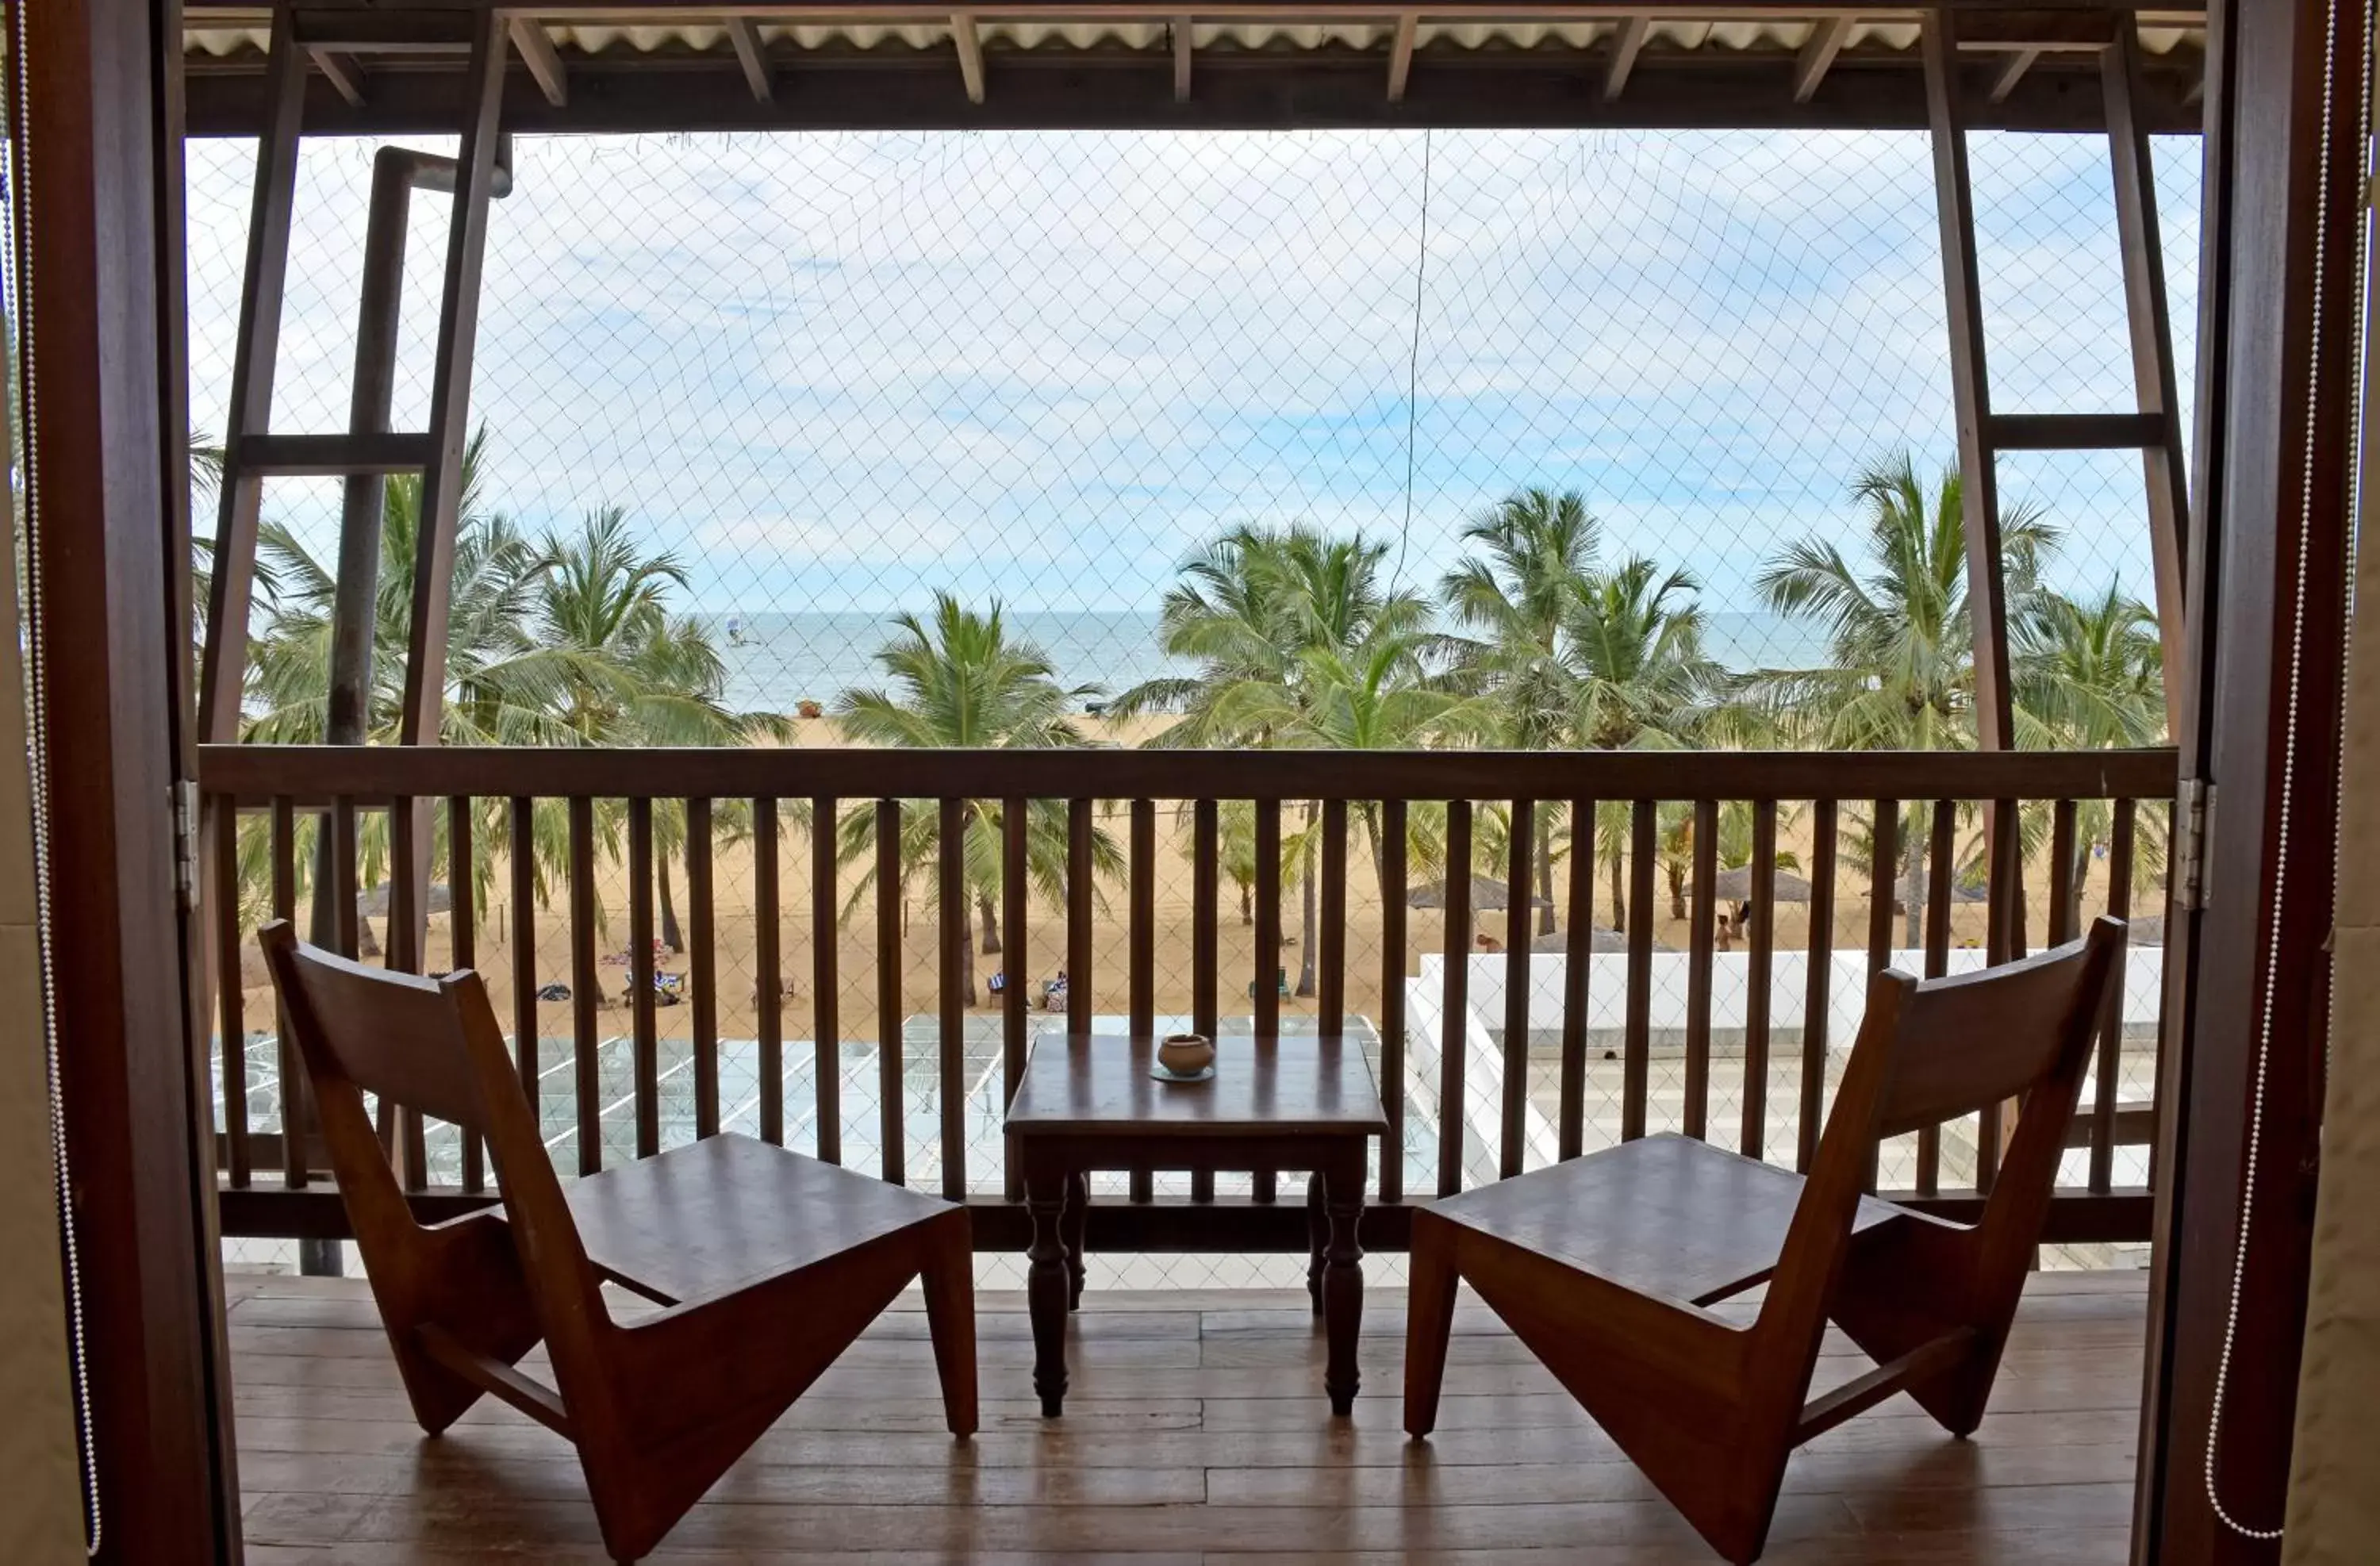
point(767, 1264)
point(1606, 1265)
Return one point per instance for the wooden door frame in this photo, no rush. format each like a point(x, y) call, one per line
point(2272, 395)
point(100, 255)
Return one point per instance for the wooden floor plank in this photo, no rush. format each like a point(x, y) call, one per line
point(1195, 1432)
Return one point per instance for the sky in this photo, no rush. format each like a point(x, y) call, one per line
point(839, 371)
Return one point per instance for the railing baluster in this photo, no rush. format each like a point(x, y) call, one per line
point(826, 980)
point(2062, 899)
point(647, 1070)
point(767, 957)
point(1015, 995)
point(1263, 985)
point(294, 1104)
point(1081, 907)
point(1141, 875)
point(1392, 998)
point(403, 955)
point(1884, 876)
point(702, 967)
point(1578, 948)
point(230, 1002)
point(1264, 988)
point(1700, 936)
point(1330, 997)
point(463, 948)
point(1761, 962)
point(1205, 943)
point(1455, 1006)
point(1937, 962)
point(950, 897)
point(344, 915)
point(520, 848)
point(586, 994)
point(2003, 941)
point(1819, 984)
point(1636, 1064)
point(2109, 1068)
point(890, 1043)
point(1518, 933)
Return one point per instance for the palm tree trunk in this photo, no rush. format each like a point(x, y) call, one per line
point(1677, 874)
point(991, 916)
point(1248, 907)
point(1311, 916)
point(672, 938)
point(365, 945)
point(1546, 876)
point(1618, 903)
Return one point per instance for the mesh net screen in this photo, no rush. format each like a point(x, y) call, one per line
point(830, 376)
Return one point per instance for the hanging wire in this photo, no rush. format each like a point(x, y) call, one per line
point(2256, 1104)
point(20, 259)
point(1413, 367)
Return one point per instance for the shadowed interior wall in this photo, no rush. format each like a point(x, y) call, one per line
point(41, 1519)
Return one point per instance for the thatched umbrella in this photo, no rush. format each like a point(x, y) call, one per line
point(1960, 891)
point(1556, 942)
point(2148, 929)
point(374, 904)
point(1487, 895)
point(1735, 886)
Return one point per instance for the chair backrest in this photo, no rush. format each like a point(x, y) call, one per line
point(431, 1045)
point(1928, 1052)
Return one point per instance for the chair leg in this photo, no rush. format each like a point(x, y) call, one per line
point(1430, 1320)
point(949, 1281)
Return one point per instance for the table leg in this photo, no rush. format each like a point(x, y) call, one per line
point(1317, 1239)
point(1045, 1287)
point(1342, 1277)
point(1076, 1226)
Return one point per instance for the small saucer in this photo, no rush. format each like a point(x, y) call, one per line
point(1164, 1074)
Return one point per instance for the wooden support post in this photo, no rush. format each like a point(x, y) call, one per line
point(2164, 465)
point(1970, 383)
point(450, 406)
point(224, 667)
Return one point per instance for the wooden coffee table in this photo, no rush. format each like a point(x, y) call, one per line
point(1088, 1103)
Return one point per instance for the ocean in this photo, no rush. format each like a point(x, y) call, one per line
point(777, 661)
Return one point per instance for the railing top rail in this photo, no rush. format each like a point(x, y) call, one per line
point(256, 774)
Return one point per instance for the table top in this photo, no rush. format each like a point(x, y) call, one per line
point(1100, 1083)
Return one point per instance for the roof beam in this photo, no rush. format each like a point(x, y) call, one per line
point(2011, 72)
point(746, 40)
point(970, 47)
point(1400, 50)
point(1817, 55)
point(1625, 45)
point(345, 79)
point(544, 64)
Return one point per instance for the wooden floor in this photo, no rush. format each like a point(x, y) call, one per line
point(1196, 1431)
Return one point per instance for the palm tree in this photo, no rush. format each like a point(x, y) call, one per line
point(1276, 619)
point(1538, 551)
point(2089, 675)
point(960, 682)
point(1901, 675)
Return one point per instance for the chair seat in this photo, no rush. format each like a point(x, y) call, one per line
point(728, 1212)
point(1668, 1215)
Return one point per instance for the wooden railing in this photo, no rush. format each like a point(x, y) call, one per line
point(1488, 1098)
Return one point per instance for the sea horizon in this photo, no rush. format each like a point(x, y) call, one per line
point(776, 660)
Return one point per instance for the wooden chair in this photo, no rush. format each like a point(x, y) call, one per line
point(767, 1264)
point(1606, 1265)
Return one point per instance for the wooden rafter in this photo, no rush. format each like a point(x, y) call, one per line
point(1818, 56)
point(2012, 71)
point(745, 39)
point(1400, 49)
point(970, 48)
point(1185, 44)
point(346, 77)
point(544, 66)
point(1625, 46)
